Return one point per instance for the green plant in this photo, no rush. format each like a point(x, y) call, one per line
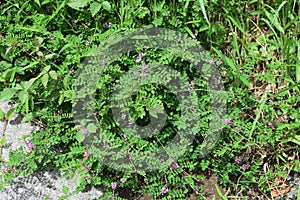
point(255, 46)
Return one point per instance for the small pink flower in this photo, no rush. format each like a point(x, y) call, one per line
point(145, 68)
point(196, 189)
point(86, 154)
point(72, 72)
point(238, 159)
point(271, 125)
point(138, 60)
point(125, 138)
point(85, 132)
point(29, 145)
point(130, 122)
point(142, 55)
point(123, 116)
point(212, 62)
point(227, 121)
point(244, 166)
point(107, 25)
point(164, 190)
point(219, 62)
point(143, 74)
point(87, 168)
point(14, 170)
point(123, 180)
point(175, 166)
point(6, 168)
point(114, 185)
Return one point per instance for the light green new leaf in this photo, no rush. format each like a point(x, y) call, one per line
point(106, 5)
point(77, 4)
point(80, 137)
point(94, 8)
point(53, 74)
point(45, 79)
point(29, 83)
point(28, 117)
point(7, 93)
point(9, 113)
point(79, 179)
point(91, 128)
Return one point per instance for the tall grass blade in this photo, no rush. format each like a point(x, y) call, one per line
point(257, 117)
point(204, 11)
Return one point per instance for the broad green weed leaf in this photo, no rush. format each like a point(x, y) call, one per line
point(45, 79)
point(5, 65)
point(69, 94)
point(28, 117)
point(9, 113)
point(94, 8)
point(79, 179)
point(106, 5)
point(77, 4)
point(50, 56)
point(80, 137)
point(92, 128)
point(66, 82)
point(29, 83)
point(7, 94)
point(46, 69)
point(53, 74)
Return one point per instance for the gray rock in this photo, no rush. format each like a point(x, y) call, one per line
point(39, 185)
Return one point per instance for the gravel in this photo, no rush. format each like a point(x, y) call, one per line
point(294, 183)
